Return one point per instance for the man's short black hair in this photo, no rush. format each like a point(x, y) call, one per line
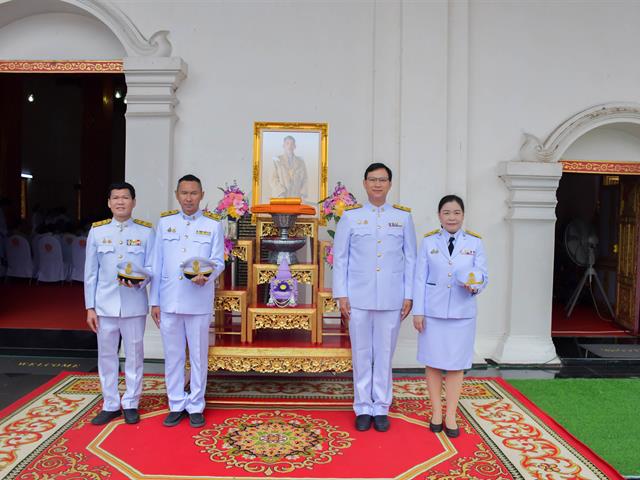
point(122, 186)
point(377, 166)
point(189, 178)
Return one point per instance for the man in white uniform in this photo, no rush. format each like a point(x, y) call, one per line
point(117, 308)
point(180, 306)
point(374, 255)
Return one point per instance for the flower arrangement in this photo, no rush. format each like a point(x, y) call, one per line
point(228, 248)
point(332, 208)
point(234, 202)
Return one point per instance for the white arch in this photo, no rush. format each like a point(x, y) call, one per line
point(133, 41)
point(554, 146)
point(532, 181)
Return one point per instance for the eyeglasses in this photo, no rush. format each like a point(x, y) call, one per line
point(377, 180)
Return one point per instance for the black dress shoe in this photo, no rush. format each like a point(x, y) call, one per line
point(131, 415)
point(435, 427)
point(196, 420)
point(363, 423)
point(381, 423)
point(105, 417)
point(174, 418)
point(451, 432)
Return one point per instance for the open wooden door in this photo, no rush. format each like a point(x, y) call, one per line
point(628, 294)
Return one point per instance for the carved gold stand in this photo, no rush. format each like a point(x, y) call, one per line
point(252, 355)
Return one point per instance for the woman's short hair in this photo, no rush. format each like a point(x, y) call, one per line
point(450, 198)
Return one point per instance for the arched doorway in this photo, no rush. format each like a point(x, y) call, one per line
point(532, 182)
point(152, 77)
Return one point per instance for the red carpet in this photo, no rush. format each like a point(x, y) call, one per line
point(42, 306)
point(294, 428)
point(583, 322)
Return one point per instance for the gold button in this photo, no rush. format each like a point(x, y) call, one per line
point(180, 277)
point(184, 249)
point(188, 223)
point(379, 241)
point(448, 286)
point(379, 254)
point(449, 273)
point(450, 262)
point(120, 242)
point(120, 256)
point(378, 269)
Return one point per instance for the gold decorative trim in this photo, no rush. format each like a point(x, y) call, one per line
point(329, 305)
point(240, 252)
point(600, 167)
point(61, 66)
point(283, 321)
point(303, 273)
point(279, 364)
point(228, 303)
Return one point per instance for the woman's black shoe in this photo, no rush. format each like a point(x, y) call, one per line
point(435, 428)
point(451, 432)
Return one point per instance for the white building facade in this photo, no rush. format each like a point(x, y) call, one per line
point(477, 98)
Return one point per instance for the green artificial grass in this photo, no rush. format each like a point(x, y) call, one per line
point(604, 414)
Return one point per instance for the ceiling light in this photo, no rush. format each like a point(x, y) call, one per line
point(26, 175)
point(31, 98)
point(118, 94)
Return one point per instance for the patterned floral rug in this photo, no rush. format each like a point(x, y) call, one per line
point(298, 428)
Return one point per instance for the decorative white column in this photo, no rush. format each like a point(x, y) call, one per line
point(532, 201)
point(151, 101)
point(151, 117)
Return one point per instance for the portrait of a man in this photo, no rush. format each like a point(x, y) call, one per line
point(289, 176)
point(290, 160)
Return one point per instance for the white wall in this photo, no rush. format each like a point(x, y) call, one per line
point(58, 36)
point(620, 142)
point(441, 91)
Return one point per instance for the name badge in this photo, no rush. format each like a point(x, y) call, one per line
point(468, 252)
point(395, 224)
point(363, 222)
point(203, 232)
point(434, 251)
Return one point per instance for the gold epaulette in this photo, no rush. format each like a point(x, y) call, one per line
point(100, 223)
point(353, 207)
point(212, 216)
point(402, 207)
point(432, 232)
point(143, 223)
point(169, 213)
point(473, 234)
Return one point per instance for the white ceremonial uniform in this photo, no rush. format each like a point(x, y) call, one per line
point(374, 257)
point(185, 308)
point(120, 310)
point(449, 309)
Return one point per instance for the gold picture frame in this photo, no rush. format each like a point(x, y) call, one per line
point(282, 171)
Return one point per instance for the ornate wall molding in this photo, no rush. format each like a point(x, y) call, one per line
point(106, 12)
point(61, 66)
point(553, 147)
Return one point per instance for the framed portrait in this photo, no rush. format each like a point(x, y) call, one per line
point(289, 160)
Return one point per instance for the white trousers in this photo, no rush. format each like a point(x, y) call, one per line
point(373, 334)
point(179, 331)
point(132, 331)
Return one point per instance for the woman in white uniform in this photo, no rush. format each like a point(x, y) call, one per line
point(444, 307)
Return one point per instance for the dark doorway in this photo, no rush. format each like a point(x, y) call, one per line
point(588, 211)
point(62, 141)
